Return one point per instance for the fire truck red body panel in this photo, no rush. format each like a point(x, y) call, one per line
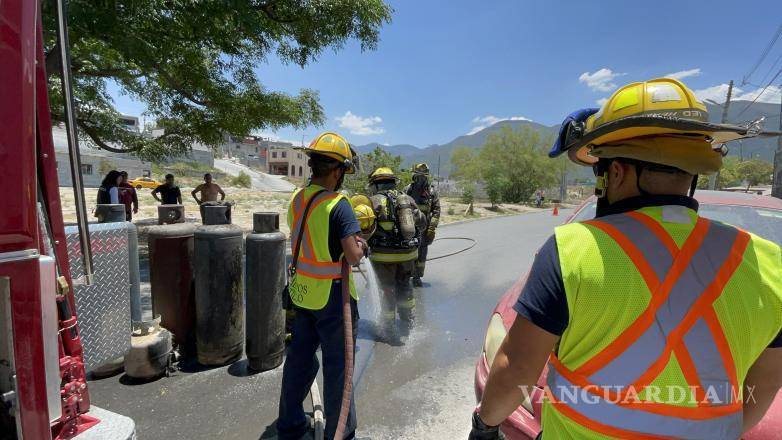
point(29, 171)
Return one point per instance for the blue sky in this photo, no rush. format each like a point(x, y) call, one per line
point(446, 68)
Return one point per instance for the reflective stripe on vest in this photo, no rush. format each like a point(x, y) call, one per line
point(679, 320)
point(394, 257)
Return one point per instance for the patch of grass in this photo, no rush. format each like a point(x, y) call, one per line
point(242, 180)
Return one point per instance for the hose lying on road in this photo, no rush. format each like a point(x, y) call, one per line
point(472, 245)
point(347, 321)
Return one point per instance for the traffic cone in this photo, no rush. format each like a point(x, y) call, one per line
point(556, 209)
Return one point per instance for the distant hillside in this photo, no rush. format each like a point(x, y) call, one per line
point(412, 155)
point(403, 150)
point(759, 147)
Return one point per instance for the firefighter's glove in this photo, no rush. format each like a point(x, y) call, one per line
point(430, 235)
point(365, 246)
point(482, 431)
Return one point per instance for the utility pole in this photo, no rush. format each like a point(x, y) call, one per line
point(438, 172)
point(715, 178)
point(776, 188)
point(563, 186)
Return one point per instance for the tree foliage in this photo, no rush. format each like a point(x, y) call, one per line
point(512, 165)
point(356, 183)
point(192, 63)
point(736, 172)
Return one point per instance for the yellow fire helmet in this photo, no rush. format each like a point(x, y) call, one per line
point(366, 218)
point(421, 168)
point(659, 121)
point(360, 199)
point(336, 147)
point(382, 173)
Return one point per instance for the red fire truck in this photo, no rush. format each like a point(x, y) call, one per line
point(42, 375)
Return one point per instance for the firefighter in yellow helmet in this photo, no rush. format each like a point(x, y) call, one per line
point(653, 320)
point(325, 236)
point(425, 196)
point(394, 247)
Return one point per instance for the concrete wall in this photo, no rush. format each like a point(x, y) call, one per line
point(94, 168)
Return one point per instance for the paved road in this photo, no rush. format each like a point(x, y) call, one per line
point(422, 389)
point(260, 181)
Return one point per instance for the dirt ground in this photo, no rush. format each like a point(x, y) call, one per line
point(247, 201)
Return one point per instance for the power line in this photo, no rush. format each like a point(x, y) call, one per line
point(763, 55)
point(771, 69)
point(759, 94)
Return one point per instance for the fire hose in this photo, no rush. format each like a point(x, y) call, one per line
point(472, 241)
point(347, 319)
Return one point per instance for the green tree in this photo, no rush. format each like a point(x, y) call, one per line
point(465, 165)
point(735, 172)
point(514, 164)
point(755, 172)
point(191, 63)
point(356, 183)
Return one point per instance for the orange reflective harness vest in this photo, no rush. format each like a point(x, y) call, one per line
point(310, 285)
point(663, 368)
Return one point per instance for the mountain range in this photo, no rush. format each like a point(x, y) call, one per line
point(739, 112)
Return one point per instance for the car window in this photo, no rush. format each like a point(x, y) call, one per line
point(586, 213)
point(766, 223)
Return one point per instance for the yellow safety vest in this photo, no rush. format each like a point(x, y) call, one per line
point(315, 270)
point(668, 311)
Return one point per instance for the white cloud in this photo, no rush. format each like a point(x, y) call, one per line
point(482, 122)
point(361, 126)
point(600, 80)
point(716, 93)
point(684, 73)
point(772, 95)
point(601, 101)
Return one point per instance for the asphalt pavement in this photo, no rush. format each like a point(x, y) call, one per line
point(260, 181)
point(422, 388)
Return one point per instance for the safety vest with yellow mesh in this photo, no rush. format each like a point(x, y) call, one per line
point(668, 311)
point(316, 270)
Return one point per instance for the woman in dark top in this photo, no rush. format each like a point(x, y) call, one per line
point(108, 192)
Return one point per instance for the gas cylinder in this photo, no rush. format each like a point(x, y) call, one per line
point(109, 213)
point(133, 271)
point(150, 352)
point(217, 260)
point(265, 282)
point(215, 213)
point(168, 214)
point(171, 281)
point(404, 212)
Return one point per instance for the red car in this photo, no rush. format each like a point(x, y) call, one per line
point(761, 215)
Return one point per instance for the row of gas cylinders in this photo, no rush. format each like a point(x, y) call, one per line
point(202, 297)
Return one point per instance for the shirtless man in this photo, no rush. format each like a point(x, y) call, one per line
point(208, 190)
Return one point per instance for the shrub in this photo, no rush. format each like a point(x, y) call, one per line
point(242, 180)
point(468, 193)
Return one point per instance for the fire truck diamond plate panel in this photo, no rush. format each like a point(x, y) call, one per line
point(104, 307)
